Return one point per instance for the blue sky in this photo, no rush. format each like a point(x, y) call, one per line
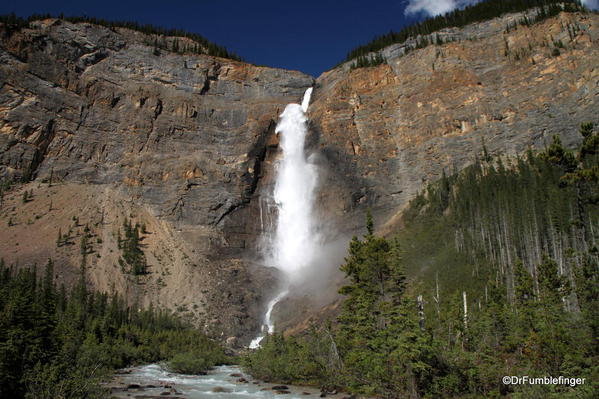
point(310, 36)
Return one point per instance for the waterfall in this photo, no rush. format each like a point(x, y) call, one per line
point(295, 242)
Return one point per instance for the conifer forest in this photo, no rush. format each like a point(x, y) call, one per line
point(418, 221)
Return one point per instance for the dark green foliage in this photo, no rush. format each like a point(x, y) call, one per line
point(311, 358)
point(524, 287)
point(587, 292)
point(365, 61)
point(83, 246)
point(590, 146)
point(131, 247)
point(377, 347)
point(507, 279)
point(481, 11)
point(194, 362)
point(588, 159)
point(555, 52)
point(495, 213)
point(14, 23)
point(55, 344)
point(384, 351)
point(488, 231)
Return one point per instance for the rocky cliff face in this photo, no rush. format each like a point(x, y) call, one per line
point(172, 141)
point(109, 131)
point(395, 127)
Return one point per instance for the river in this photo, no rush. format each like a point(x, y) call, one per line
point(223, 382)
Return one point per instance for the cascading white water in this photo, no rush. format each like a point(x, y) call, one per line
point(295, 243)
point(270, 325)
point(306, 102)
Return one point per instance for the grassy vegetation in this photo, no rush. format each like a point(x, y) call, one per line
point(506, 264)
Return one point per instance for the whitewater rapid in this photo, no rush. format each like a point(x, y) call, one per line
point(222, 382)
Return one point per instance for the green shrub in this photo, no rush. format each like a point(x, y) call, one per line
point(189, 363)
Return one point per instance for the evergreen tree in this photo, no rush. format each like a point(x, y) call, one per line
point(524, 284)
point(422, 32)
point(557, 155)
point(378, 335)
point(498, 247)
point(59, 344)
point(131, 246)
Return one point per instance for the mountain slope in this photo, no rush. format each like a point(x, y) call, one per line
point(104, 131)
point(393, 127)
point(172, 141)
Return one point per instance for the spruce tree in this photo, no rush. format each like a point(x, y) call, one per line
point(378, 334)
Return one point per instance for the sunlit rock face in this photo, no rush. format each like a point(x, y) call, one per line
point(186, 144)
point(391, 129)
point(175, 141)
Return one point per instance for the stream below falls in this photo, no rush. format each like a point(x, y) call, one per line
point(223, 382)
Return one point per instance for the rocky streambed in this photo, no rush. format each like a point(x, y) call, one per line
point(223, 382)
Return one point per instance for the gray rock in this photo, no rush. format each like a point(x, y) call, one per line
point(189, 139)
point(180, 135)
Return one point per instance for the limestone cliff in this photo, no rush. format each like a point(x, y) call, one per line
point(108, 130)
point(395, 127)
point(171, 141)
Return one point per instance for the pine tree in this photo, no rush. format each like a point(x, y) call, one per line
point(48, 294)
point(83, 245)
point(587, 291)
point(379, 337)
point(524, 290)
point(559, 156)
point(552, 286)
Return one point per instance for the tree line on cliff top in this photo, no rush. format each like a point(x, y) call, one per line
point(503, 260)
point(478, 12)
point(202, 45)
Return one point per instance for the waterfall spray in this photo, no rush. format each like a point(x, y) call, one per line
point(295, 243)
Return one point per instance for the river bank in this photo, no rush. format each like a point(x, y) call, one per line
point(223, 382)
